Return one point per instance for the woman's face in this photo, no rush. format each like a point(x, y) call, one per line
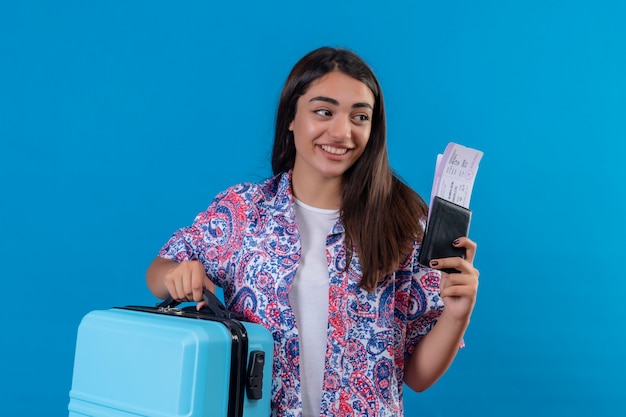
point(332, 126)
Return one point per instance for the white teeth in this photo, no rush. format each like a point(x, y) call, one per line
point(333, 150)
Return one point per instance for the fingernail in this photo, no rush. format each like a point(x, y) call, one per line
point(434, 263)
point(456, 242)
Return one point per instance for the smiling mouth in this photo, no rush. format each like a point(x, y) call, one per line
point(333, 150)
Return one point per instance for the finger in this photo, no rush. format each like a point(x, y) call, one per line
point(459, 279)
point(191, 276)
point(198, 282)
point(171, 289)
point(208, 284)
point(188, 278)
point(469, 245)
point(457, 263)
point(170, 282)
point(187, 285)
point(468, 291)
point(177, 292)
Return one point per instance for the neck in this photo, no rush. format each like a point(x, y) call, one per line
point(324, 193)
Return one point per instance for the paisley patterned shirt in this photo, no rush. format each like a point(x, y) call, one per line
point(249, 245)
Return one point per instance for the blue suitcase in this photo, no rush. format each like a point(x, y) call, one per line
point(166, 361)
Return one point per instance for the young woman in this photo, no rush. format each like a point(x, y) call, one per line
point(324, 254)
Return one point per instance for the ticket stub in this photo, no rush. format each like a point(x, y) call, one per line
point(455, 172)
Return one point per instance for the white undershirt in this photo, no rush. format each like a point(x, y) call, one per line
point(309, 299)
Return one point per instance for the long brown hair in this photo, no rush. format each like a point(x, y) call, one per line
point(380, 213)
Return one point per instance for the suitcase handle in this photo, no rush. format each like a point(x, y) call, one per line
point(214, 306)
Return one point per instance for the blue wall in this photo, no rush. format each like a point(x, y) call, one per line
point(120, 120)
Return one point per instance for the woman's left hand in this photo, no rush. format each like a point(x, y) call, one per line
point(458, 290)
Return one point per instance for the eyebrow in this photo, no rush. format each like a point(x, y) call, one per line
point(336, 103)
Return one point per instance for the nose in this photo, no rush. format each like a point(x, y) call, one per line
point(340, 129)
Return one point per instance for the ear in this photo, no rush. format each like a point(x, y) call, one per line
point(291, 126)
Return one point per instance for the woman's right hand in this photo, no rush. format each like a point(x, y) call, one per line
point(184, 281)
point(187, 280)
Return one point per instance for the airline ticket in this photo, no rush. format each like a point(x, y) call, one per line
point(455, 173)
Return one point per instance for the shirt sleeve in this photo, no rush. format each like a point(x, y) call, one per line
point(211, 238)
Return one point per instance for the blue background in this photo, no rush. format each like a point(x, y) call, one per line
point(119, 121)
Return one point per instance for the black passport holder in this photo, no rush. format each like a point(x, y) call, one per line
point(447, 222)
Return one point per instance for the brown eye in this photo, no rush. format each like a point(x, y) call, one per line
point(323, 112)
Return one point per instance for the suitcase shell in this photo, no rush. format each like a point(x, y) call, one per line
point(137, 363)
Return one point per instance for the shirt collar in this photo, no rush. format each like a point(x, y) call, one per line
point(285, 197)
